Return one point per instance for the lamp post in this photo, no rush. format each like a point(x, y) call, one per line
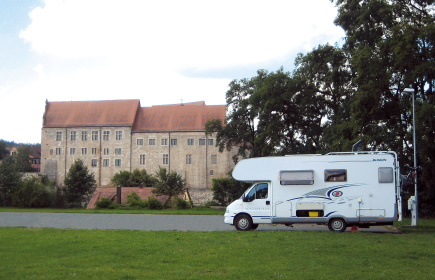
point(414, 202)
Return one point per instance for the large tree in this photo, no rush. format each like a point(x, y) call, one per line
point(326, 88)
point(391, 45)
point(3, 151)
point(22, 159)
point(168, 183)
point(9, 179)
point(79, 184)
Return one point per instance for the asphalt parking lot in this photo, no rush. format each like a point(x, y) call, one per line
point(146, 222)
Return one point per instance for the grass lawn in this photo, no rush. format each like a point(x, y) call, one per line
point(27, 253)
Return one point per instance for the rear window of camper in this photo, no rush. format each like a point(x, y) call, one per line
point(385, 175)
point(296, 177)
point(335, 175)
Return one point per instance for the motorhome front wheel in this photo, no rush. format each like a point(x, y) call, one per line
point(243, 222)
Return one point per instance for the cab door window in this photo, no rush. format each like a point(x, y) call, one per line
point(259, 191)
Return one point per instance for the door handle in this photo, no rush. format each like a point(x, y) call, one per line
point(267, 202)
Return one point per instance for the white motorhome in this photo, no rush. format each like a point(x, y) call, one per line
point(338, 189)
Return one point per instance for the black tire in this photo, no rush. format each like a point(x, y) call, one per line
point(254, 226)
point(243, 222)
point(337, 225)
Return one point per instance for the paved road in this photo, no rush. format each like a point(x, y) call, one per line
point(142, 222)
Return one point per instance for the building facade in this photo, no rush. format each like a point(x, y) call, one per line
point(110, 136)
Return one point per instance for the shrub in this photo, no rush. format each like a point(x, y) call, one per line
point(154, 204)
point(32, 193)
point(179, 203)
point(104, 203)
point(134, 200)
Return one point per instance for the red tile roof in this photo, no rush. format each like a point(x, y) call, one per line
point(181, 117)
point(177, 117)
point(90, 113)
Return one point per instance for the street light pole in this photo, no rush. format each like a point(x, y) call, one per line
point(414, 211)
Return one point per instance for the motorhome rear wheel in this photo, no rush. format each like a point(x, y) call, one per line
point(337, 225)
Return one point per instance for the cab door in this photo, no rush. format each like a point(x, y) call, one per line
point(257, 203)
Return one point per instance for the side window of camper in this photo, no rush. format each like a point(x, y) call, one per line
point(257, 192)
point(385, 175)
point(296, 177)
point(336, 175)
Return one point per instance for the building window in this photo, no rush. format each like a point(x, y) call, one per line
point(118, 135)
point(165, 159)
point(151, 142)
point(211, 172)
point(94, 135)
point(94, 162)
point(84, 151)
point(188, 159)
point(51, 151)
point(72, 151)
point(118, 162)
point(73, 135)
point(210, 142)
point(84, 136)
point(164, 142)
point(58, 151)
point(213, 159)
point(106, 134)
point(201, 142)
point(142, 160)
point(140, 142)
point(105, 162)
point(59, 136)
point(174, 142)
point(118, 151)
point(190, 142)
point(106, 151)
point(94, 151)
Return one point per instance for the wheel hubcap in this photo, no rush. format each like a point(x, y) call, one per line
point(243, 223)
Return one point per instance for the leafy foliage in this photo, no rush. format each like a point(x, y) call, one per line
point(137, 178)
point(168, 183)
point(79, 183)
point(9, 179)
point(226, 190)
point(104, 203)
point(22, 159)
point(32, 192)
point(3, 150)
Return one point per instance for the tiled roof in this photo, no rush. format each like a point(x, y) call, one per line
point(90, 113)
point(181, 117)
point(176, 117)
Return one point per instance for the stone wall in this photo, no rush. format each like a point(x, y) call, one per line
point(200, 196)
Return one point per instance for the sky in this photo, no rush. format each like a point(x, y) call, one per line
point(161, 51)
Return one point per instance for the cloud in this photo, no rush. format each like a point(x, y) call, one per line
point(162, 51)
point(178, 34)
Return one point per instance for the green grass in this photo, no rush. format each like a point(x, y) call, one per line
point(192, 211)
point(118, 254)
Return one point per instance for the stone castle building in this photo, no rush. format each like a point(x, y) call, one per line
point(110, 136)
